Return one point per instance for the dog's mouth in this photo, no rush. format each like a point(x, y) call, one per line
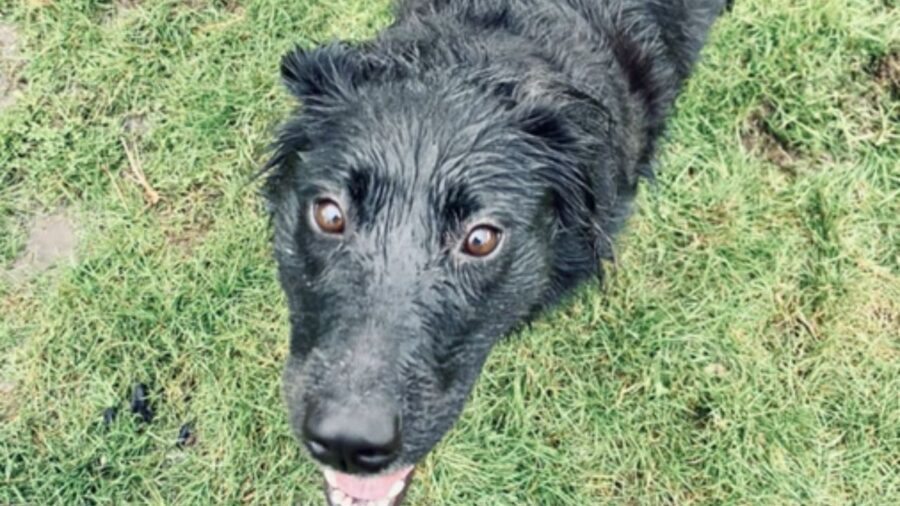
point(349, 490)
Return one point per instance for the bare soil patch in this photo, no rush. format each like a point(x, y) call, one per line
point(886, 73)
point(120, 9)
point(187, 224)
point(7, 400)
point(52, 239)
point(10, 61)
point(135, 125)
point(760, 139)
point(189, 236)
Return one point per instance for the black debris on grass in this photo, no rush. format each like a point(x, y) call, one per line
point(109, 415)
point(186, 436)
point(140, 404)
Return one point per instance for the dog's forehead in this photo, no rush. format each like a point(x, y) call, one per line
point(426, 152)
point(416, 154)
point(430, 140)
point(437, 181)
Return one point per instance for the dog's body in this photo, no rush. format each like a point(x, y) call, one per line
point(440, 185)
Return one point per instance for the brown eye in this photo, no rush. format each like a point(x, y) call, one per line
point(482, 241)
point(329, 217)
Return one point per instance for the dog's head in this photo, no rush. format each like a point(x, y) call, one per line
point(419, 217)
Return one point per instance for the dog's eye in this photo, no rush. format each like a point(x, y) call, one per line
point(482, 241)
point(328, 216)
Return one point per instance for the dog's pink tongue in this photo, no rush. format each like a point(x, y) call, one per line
point(372, 488)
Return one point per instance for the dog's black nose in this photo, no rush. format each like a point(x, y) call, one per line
point(364, 440)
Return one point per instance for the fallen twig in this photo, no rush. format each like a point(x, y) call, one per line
point(134, 162)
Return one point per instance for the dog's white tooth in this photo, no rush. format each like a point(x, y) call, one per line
point(396, 488)
point(348, 501)
point(330, 477)
point(383, 502)
point(337, 497)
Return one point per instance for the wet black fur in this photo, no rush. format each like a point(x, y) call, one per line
point(539, 116)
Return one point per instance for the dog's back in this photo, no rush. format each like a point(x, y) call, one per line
point(653, 43)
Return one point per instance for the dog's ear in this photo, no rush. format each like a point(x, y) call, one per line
point(318, 77)
point(325, 72)
point(549, 127)
point(575, 192)
point(565, 169)
point(291, 140)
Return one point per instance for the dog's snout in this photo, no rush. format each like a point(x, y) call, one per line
point(362, 440)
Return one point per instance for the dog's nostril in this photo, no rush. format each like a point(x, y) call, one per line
point(376, 457)
point(369, 452)
point(361, 441)
point(315, 447)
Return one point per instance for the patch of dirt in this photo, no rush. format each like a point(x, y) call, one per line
point(189, 236)
point(9, 41)
point(120, 9)
point(51, 239)
point(229, 6)
point(760, 139)
point(187, 223)
point(885, 316)
point(135, 125)
point(886, 72)
point(7, 400)
point(716, 370)
point(10, 62)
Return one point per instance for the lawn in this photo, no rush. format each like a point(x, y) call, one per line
point(745, 350)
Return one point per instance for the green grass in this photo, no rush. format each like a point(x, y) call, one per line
point(746, 350)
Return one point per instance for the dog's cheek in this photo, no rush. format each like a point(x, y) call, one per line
point(294, 391)
point(431, 410)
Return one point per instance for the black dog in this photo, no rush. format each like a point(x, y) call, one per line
point(440, 185)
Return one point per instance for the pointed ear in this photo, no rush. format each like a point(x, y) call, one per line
point(330, 71)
